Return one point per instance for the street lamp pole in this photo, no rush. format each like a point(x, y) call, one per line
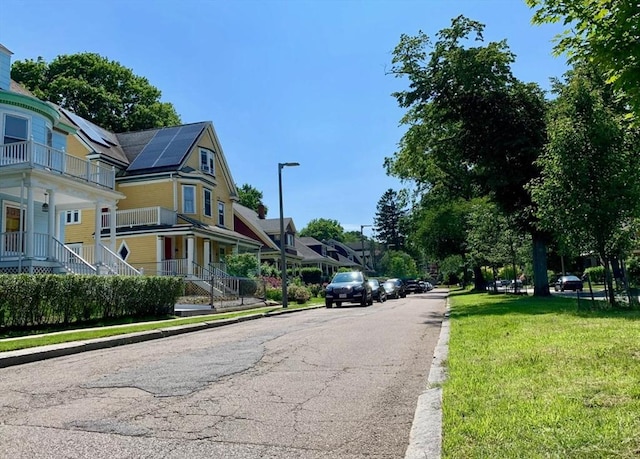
point(362, 240)
point(283, 258)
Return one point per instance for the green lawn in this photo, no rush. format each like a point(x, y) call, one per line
point(28, 339)
point(536, 378)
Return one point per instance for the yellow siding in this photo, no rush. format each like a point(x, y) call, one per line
point(83, 231)
point(76, 148)
point(147, 194)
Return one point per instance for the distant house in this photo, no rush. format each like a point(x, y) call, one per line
point(348, 257)
point(267, 232)
point(319, 255)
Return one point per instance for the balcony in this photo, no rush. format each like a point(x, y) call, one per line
point(144, 216)
point(39, 156)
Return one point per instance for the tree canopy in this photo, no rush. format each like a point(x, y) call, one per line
point(323, 229)
point(473, 129)
point(97, 89)
point(389, 224)
point(250, 197)
point(589, 190)
point(605, 33)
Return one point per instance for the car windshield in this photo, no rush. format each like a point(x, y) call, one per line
point(348, 277)
point(373, 283)
point(570, 278)
point(390, 284)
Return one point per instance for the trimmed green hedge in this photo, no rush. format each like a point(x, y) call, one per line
point(47, 299)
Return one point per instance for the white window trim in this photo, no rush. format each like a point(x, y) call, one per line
point(195, 204)
point(221, 214)
point(210, 167)
point(73, 221)
point(15, 115)
point(208, 212)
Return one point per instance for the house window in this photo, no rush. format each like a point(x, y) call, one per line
point(189, 199)
point(207, 161)
point(15, 129)
point(72, 217)
point(288, 237)
point(220, 213)
point(207, 206)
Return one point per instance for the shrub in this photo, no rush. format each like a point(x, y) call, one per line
point(311, 275)
point(242, 265)
point(596, 273)
point(299, 293)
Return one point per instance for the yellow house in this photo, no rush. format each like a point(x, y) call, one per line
point(177, 218)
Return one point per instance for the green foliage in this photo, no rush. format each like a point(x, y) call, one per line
point(274, 294)
point(633, 270)
point(398, 264)
point(268, 270)
point(452, 269)
point(95, 88)
point(242, 265)
point(298, 293)
point(250, 197)
point(390, 219)
point(603, 32)
point(247, 287)
point(595, 273)
point(34, 300)
point(323, 229)
point(311, 275)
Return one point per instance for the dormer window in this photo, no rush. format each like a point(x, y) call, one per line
point(207, 161)
point(288, 237)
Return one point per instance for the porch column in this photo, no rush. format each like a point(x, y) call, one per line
point(52, 224)
point(98, 230)
point(207, 253)
point(30, 230)
point(112, 226)
point(190, 254)
point(159, 254)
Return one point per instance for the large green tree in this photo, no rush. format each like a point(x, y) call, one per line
point(473, 128)
point(390, 220)
point(323, 229)
point(589, 190)
point(605, 33)
point(250, 197)
point(102, 91)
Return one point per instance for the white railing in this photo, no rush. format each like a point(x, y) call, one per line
point(141, 216)
point(109, 261)
point(71, 261)
point(13, 245)
point(39, 155)
point(221, 281)
point(177, 267)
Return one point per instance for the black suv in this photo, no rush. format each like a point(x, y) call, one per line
point(348, 287)
point(402, 287)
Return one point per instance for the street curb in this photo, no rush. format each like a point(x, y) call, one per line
point(425, 439)
point(34, 354)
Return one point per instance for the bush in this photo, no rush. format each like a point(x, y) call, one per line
point(596, 274)
point(273, 294)
point(633, 270)
point(242, 265)
point(299, 293)
point(311, 275)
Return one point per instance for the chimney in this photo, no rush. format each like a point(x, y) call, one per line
point(261, 211)
point(5, 68)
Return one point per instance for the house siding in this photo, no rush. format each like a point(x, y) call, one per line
point(147, 194)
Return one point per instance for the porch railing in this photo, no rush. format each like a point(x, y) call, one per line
point(13, 245)
point(56, 161)
point(110, 261)
point(221, 281)
point(71, 261)
point(143, 216)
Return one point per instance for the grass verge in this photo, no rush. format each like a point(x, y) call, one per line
point(537, 378)
point(114, 328)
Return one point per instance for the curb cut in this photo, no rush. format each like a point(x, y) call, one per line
point(425, 439)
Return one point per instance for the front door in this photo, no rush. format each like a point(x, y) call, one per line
point(12, 239)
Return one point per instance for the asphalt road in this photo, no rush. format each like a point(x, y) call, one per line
point(323, 383)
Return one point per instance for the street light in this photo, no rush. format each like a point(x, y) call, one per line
point(362, 240)
point(283, 258)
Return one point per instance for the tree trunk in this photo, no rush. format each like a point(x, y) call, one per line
point(540, 281)
point(608, 280)
point(478, 279)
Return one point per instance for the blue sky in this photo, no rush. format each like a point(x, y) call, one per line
point(281, 80)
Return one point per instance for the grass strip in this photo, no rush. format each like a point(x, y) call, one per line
point(536, 377)
point(65, 336)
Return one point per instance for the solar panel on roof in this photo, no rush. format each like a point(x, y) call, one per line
point(167, 147)
point(86, 128)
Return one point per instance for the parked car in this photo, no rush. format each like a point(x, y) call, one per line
point(568, 283)
point(413, 286)
point(392, 289)
point(348, 287)
point(378, 291)
point(402, 291)
point(426, 286)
